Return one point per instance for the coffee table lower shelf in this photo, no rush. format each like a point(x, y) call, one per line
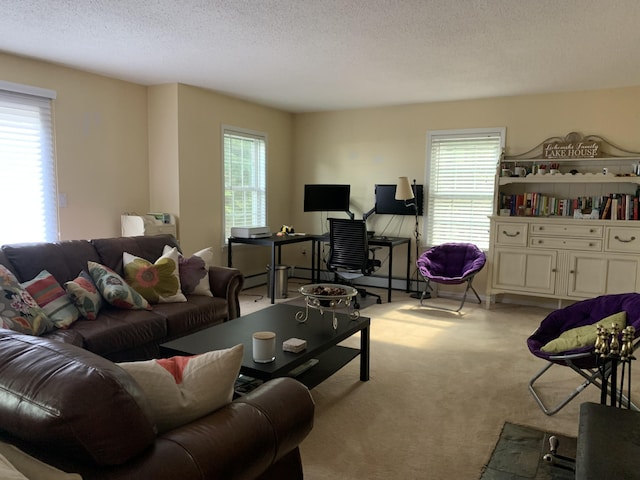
point(329, 362)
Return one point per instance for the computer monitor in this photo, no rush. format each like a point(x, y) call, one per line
point(326, 197)
point(386, 203)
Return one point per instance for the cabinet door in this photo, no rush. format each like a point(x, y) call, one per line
point(533, 271)
point(591, 275)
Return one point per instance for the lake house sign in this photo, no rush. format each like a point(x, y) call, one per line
point(560, 150)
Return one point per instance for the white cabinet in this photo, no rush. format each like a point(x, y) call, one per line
point(563, 258)
point(550, 235)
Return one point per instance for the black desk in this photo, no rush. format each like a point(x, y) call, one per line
point(387, 242)
point(275, 242)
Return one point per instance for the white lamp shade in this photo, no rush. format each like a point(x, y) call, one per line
point(403, 189)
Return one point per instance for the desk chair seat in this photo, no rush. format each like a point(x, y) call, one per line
point(350, 257)
point(581, 360)
point(451, 264)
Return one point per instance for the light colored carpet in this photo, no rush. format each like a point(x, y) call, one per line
point(442, 386)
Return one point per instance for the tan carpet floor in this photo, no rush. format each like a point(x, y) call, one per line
point(442, 385)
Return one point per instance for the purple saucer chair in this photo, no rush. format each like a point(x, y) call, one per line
point(451, 264)
point(582, 360)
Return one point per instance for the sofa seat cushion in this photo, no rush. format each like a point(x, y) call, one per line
point(51, 396)
point(64, 260)
point(116, 329)
point(198, 312)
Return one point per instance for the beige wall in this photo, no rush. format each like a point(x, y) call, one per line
point(369, 146)
point(101, 144)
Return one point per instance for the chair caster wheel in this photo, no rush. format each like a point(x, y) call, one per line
point(356, 306)
point(363, 294)
point(379, 301)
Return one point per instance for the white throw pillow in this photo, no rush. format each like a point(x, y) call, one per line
point(194, 272)
point(183, 389)
point(8, 471)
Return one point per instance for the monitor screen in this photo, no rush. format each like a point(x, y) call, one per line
point(386, 203)
point(326, 198)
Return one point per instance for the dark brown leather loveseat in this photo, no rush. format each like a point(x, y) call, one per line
point(117, 334)
point(84, 414)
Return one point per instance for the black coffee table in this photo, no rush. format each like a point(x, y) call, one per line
point(322, 343)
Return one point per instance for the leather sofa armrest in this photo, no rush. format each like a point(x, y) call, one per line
point(227, 283)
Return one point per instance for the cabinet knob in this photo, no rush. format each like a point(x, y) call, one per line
point(592, 230)
point(507, 234)
point(572, 271)
point(554, 270)
point(623, 240)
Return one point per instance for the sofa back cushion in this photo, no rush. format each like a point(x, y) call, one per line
point(68, 400)
point(150, 248)
point(64, 260)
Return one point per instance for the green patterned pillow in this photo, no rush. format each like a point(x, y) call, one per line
point(158, 282)
point(85, 295)
point(115, 290)
point(18, 310)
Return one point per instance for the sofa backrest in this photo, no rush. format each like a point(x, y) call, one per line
point(66, 259)
point(62, 398)
point(150, 248)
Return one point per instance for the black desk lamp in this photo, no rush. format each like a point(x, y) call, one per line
point(405, 192)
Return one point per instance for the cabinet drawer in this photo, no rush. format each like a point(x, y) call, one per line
point(594, 231)
point(511, 234)
point(594, 245)
point(623, 239)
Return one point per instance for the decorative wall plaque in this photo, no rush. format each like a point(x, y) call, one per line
point(561, 150)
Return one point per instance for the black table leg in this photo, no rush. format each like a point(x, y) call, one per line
point(364, 354)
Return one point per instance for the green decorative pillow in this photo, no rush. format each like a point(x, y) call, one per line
point(157, 282)
point(583, 336)
point(115, 290)
point(55, 302)
point(18, 310)
point(183, 389)
point(85, 295)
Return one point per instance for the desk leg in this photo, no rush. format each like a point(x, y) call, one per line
point(390, 276)
point(364, 354)
point(272, 274)
point(409, 267)
point(229, 256)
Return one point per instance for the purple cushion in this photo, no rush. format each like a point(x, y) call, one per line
point(583, 313)
point(451, 263)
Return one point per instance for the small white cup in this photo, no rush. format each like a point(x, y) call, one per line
point(554, 171)
point(520, 172)
point(542, 171)
point(264, 347)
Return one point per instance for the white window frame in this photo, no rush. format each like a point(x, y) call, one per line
point(27, 164)
point(460, 197)
point(254, 186)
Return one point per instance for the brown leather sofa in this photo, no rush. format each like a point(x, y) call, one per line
point(83, 414)
point(117, 334)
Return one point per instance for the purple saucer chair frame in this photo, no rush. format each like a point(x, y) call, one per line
point(451, 263)
point(581, 360)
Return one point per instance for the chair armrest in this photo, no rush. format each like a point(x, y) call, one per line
point(227, 283)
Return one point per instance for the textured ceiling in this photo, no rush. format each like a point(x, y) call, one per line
point(313, 55)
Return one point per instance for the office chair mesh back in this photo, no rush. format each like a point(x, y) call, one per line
point(349, 246)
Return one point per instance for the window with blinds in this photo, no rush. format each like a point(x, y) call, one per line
point(461, 168)
point(245, 179)
point(27, 165)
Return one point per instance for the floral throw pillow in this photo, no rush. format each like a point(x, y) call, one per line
point(18, 310)
point(115, 290)
point(85, 295)
point(55, 302)
point(157, 282)
point(194, 272)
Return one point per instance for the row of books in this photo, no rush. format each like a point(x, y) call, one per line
point(616, 206)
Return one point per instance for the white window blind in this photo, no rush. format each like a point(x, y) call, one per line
point(245, 172)
point(461, 169)
point(27, 167)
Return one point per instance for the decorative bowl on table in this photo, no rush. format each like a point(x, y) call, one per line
point(327, 296)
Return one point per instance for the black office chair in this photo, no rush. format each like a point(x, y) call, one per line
point(350, 256)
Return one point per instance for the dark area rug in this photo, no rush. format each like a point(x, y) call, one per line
point(518, 455)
